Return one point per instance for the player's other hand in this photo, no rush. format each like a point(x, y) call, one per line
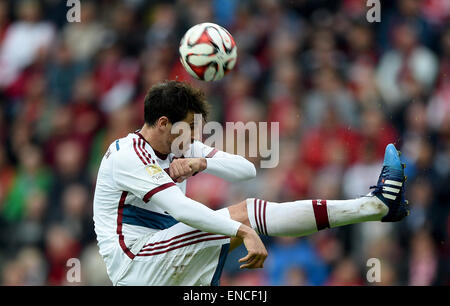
point(182, 168)
point(257, 252)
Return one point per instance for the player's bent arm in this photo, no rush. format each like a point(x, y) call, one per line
point(193, 213)
point(230, 167)
point(154, 186)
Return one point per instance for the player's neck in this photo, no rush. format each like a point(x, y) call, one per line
point(151, 135)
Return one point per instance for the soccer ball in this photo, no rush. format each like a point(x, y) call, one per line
point(208, 51)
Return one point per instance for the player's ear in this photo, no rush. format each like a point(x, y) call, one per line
point(163, 122)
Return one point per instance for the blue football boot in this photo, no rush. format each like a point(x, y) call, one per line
point(390, 188)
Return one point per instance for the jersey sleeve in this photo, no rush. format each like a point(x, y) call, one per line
point(228, 166)
point(140, 176)
point(199, 149)
point(194, 213)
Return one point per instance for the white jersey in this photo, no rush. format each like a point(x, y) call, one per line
point(131, 200)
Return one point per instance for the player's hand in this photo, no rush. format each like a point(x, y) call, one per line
point(182, 168)
point(257, 252)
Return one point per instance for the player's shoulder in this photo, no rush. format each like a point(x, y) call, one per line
point(133, 151)
point(127, 150)
point(123, 144)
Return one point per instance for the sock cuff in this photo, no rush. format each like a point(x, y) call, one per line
point(321, 214)
point(256, 211)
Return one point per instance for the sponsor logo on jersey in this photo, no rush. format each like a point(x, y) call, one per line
point(155, 171)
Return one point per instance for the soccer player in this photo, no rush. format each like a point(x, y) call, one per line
point(150, 233)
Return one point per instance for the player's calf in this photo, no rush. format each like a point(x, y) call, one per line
point(300, 218)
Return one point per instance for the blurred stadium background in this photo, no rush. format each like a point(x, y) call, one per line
point(341, 88)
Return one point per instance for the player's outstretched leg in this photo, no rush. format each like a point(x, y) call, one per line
point(299, 218)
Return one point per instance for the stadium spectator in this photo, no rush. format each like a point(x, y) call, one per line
point(32, 176)
point(87, 37)
point(26, 39)
point(346, 273)
point(406, 72)
point(288, 254)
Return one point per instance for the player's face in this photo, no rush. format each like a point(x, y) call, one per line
point(183, 136)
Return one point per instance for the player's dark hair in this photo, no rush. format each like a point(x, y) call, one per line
point(173, 99)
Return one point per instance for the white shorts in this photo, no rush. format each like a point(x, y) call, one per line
point(177, 256)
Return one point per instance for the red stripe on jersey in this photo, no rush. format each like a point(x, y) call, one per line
point(149, 194)
point(175, 237)
point(255, 204)
point(260, 216)
point(264, 218)
point(160, 155)
point(183, 245)
point(119, 225)
point(146, 152)
point(141, 149)
point(321, 214)
point(136, 150)
point(174, 242)
point(212, 153)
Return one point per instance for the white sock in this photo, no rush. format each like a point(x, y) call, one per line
point(300, 218)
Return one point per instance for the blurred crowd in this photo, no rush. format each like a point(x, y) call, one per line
point(340, 87)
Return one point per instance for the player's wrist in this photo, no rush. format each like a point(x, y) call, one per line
point(244, 231)
point(199, 164)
